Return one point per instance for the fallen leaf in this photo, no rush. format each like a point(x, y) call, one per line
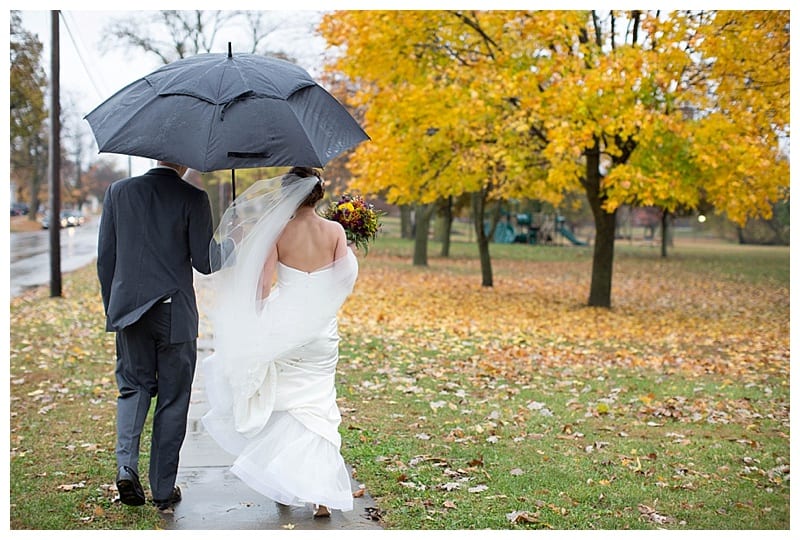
point(523, 516)
point(373, 513)
point(71, 487)
point(655, 517)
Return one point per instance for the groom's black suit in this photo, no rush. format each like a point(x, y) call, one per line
point(154, 228)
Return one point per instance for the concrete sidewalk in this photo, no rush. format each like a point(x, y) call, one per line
point(213, 498)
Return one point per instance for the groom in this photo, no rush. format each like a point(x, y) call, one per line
point(154, 228)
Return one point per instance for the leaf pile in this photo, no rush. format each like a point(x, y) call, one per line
point(516, 406)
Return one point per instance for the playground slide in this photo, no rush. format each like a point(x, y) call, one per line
point(569, 236)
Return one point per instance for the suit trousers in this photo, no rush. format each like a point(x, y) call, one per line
point(149, 366)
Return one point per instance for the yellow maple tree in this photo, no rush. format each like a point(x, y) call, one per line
point(440, 115)
point(631, 107)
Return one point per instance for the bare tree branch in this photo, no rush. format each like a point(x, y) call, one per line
point(172, 34)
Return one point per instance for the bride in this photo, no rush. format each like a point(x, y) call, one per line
point(270, 381)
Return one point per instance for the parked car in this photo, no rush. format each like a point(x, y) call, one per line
point(19, 209)
point(74, 218)
point(68, 218)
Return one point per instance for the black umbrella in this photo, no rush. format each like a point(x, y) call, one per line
point(216, 111)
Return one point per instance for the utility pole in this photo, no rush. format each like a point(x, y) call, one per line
point(55, 160)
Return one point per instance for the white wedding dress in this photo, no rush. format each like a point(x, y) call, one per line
point(271, 379)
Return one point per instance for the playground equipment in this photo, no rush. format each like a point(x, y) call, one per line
point(538, 228)
point(566, 233)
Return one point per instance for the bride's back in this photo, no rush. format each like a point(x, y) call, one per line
point(310, 242)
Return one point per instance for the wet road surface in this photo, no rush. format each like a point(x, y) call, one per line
point(30, 254)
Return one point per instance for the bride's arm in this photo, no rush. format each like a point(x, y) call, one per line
point(267, 273)
point(341, 243)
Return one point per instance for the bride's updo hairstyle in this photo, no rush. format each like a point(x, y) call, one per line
point(317, 193)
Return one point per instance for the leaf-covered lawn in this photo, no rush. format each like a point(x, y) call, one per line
point(518, 407)
point(465, 408)
point(62, 413)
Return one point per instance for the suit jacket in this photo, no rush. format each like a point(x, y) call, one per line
point(154, 228)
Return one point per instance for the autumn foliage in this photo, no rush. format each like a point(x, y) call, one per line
point(520, 407)
point(671, 109)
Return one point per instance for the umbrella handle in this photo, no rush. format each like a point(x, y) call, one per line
point(233, 192)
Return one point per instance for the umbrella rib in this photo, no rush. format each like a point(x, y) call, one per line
point(302, 125)
point(208, 138)
point(129, 120)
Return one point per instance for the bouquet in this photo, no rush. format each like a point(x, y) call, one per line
point(360, 220)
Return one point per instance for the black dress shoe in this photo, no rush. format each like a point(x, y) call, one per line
point(166, 504)
point(129, 487)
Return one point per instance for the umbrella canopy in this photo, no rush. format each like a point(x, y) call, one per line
point(218, 111)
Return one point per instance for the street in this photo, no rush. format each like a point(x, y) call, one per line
point(30, 254)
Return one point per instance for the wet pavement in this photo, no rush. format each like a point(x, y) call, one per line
point(214, 498)
point(30, 254)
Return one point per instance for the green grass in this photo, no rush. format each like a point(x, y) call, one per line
point(447, 436)
point(63, 399)
point(576, 469)
point(462, 405)
point(713, 258)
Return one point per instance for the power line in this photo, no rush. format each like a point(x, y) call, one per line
point(100, 94)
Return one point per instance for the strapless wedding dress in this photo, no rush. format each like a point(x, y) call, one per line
point(273, 397)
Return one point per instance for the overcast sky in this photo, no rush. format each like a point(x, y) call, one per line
point(88, 75)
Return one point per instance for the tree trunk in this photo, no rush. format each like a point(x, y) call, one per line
point(422, 221)
point(605, 227)
point(664, 232)
point(478, 217)
point(33, 211)
point(38, 176)
point(740, 234)
point(406, 229)
point(444, 224)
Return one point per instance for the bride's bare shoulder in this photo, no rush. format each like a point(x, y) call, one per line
point(335, 225)
point(329, 224)
point(336, 230)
